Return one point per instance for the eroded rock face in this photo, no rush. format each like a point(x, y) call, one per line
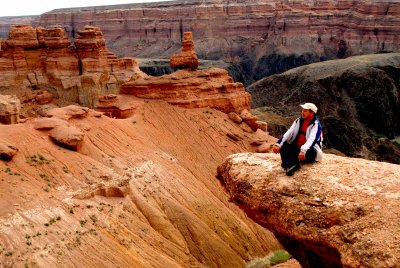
point(211, 87)
point(10, 107)
point(341, 212)
point(24, 36)
point(44, 97)
point(38, 58)
point(187, 58)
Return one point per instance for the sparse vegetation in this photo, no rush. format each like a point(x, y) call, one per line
point(9, 253)
point(65, 169)
point(274, 258)
point(52, 220)
point(35, 160)
point(10, 172)
point(93, 218)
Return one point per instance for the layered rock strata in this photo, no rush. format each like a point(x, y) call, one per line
point(36, 58)
point(211, 87)
point(325, 216)
point(262, 37)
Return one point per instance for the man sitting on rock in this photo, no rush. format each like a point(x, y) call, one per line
point(302, 142)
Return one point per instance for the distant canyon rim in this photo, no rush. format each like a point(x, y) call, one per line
point(258, 38)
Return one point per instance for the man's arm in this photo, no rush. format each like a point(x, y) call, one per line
point(277, 146)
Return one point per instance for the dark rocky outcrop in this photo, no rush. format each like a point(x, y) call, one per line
point(358, 100)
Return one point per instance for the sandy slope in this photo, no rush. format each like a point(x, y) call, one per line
point(141, 192)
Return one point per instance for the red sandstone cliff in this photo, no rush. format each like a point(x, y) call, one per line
point(229, 29)
point(39, 58)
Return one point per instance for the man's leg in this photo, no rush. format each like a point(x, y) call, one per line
point(311, 154)
point(289, 155)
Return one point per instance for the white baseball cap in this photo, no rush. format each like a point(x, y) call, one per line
point(310, 106)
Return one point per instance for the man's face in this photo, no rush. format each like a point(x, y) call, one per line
point(306, 113)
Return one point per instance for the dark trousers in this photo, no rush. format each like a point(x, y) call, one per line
point(290, 154)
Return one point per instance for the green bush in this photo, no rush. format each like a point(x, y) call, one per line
point(279, 256)
point(276, 257)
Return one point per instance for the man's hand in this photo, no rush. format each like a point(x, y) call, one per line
point(276, 149)
point(302, 156)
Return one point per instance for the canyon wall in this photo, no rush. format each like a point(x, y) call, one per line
point(260, 37)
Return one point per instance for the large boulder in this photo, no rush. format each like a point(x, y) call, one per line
point(68, 137)
point(7, 151)
point(341, 212)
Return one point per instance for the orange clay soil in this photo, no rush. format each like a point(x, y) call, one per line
point(140, 192)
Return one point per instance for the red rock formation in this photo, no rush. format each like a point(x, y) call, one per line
point(69, 137)
point(118, 106)
point(7, 151)
point(188, 88)
point(187, 58)
point(38, 58)
point(211, 87)
point(341, 212)
point(23, 36)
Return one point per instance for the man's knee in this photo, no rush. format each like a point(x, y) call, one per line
point(311, 155)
